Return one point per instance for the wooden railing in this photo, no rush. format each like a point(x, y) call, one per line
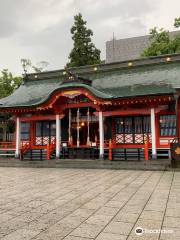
point(7, 149)
point(111, 147)
point(91, 144)
point(7, 145)
point(146, 149)
point(25, 146)
point(50, 149)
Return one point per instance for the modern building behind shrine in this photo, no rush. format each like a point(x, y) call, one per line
point(129, 48)
point(123, 108)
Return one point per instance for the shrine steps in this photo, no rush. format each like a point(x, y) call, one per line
point(124, 154)
point(36, 155)
point(89, 164)
point(7, 152)
point(106, 164)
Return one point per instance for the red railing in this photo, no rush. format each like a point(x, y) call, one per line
point(50, 149)
point(146, 148)
point(7, 145)
point(110, 150)
point(25, 146)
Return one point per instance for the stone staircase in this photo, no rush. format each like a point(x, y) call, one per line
point(153, 165)
point(37, 155)
point(6, 153)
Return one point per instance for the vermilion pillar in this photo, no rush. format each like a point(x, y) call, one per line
point(18, 137)
point(88, 120)
point(32, 133)
point(101, 135)
point(177, 116)
point(153, 134)
point(78, 142)
point(69, 129)
point(58, 136)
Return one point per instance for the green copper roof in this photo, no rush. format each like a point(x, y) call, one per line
point(35, 93)
point(146, 77)
point(165, 74)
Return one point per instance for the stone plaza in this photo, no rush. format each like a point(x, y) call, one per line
point(84, 204)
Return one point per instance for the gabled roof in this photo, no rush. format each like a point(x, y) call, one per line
point(141, 77)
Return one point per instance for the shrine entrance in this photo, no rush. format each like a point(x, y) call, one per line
point(76, 131)
point(83, 127)
point(82, 134)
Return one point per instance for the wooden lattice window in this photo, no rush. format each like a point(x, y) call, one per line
point(167, 125)
point(45, 132)
point(25, 130)
point(132, 129)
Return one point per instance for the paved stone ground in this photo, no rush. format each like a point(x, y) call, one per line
point(82, 204)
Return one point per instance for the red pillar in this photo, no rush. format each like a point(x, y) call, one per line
point(110, 150)
point(32, 133)
point(157, 130)
point(146, 149)
point(177, 115)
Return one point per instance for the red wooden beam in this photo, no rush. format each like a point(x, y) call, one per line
point(79, 105)
point(126, 145)
point(125, 112)
point(40, 117)
point(130, 111)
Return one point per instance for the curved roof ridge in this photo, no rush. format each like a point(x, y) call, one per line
point(105, 67)
point(96, 92)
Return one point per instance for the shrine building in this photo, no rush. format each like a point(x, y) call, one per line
point(117, 111)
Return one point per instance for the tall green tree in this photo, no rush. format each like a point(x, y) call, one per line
point(162, 43)
point(8, 83)
point(84, 51)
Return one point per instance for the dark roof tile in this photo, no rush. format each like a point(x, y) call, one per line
point(146, 77)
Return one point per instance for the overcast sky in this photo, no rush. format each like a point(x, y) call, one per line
point(40, 29)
